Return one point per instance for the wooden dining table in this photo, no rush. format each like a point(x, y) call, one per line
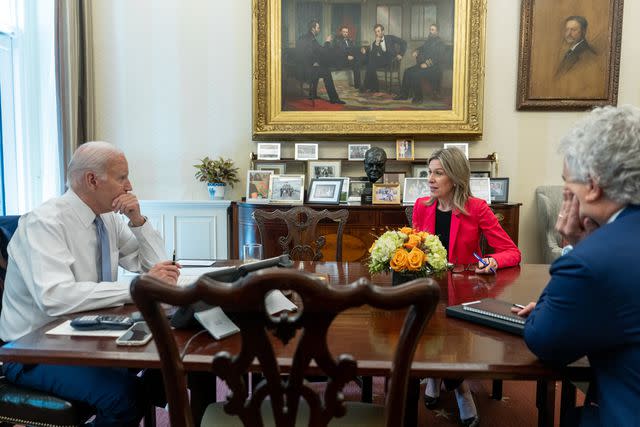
point(449, 348)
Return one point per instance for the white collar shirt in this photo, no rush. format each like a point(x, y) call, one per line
point(54, 262)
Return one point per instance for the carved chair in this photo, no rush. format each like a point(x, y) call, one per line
point(302, 242)
point(292, 401)
point(19, 405)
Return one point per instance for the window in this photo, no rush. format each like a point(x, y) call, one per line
point(391, 19)
point(422, 17)
point(30, 171)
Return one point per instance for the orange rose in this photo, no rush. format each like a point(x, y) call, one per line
point(399, 260)
point(414, 241)
point(406, 230)
point(416, 259)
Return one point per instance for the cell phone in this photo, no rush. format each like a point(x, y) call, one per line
point(138, 334)
point(96, 322)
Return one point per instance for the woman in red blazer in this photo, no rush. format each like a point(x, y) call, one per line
point(459, 220)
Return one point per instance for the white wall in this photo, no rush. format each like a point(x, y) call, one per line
point(173, 84)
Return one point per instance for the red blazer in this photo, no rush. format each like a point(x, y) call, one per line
point(464, 237)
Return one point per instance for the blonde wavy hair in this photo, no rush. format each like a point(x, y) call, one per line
point(456, 167)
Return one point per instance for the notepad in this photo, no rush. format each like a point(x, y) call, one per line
point(196, 262)
point(494, 308)
point(489, 312)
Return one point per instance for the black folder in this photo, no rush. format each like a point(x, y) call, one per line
point(489, 312)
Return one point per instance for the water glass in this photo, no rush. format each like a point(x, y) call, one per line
point(251, 252)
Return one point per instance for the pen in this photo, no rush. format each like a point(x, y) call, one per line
point(484, 262)
point(173, 262)
point(520, 306)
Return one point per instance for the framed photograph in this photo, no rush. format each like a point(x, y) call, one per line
point(268, 151)
point(394, 178)
point(276, 168)
point(356, 151)
point(562, 66)
point(356, 187)
point(344, 192)
point(325, 191)
point(386, 194)
point(286, 189)
point(306, 151)
point(324, 169)
point(420, 171)
point(415, 188)
point(462, 146)
point(480, 174)
point(480, 188)
point(404, 149)
point(499, 190)
point(287, 105)
point(258, 186)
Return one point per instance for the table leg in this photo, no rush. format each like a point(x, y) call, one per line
point(496, 392)
point(545, 401)
point(413, 397)
point(203, 392)
point(567, 400)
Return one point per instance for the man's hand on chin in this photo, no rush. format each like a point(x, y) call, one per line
point(128, 205)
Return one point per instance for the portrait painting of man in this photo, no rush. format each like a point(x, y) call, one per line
point(363, 56)
point(570, 52)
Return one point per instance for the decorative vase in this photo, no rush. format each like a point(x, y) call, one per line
point(400, 278)
point(216, 190)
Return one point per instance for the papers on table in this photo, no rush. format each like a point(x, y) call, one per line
point(65, 329)
point(220, 326)
point(191, 274)
point(195, 262)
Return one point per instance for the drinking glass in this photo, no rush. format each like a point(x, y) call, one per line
point(251, 252)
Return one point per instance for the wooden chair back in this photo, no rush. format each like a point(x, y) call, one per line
point(302, 242)
point(408, 211)
point(307, 329)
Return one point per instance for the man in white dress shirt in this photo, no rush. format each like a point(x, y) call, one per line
point(58, 265)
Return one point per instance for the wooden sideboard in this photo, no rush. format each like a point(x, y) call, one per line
point(365, 224)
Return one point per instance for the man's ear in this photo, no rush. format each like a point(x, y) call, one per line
point(91, 180)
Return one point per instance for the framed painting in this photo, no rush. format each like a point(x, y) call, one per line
point(320, 70)
point(569, 54)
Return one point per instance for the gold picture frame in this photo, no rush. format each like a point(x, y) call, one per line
point(561, 70)
point(386, 194)
point(272, 121)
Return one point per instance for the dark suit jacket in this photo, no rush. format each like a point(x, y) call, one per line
point(591, 307)
point(572, 57)
point(309, 51)
point(395, 46)
point(464, 234)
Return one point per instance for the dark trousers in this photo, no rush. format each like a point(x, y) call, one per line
point(371, 76)
point(412, 80)
point(323, 73)
point(117, 394)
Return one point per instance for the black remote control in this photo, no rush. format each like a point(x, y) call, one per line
point(96, 322)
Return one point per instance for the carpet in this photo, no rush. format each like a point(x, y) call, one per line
point(516, 409)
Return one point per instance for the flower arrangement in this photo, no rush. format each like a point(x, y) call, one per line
point(407, 251)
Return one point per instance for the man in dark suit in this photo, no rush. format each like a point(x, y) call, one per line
point(314, 60)
point(384, 50)
point(429, 58)
point(591, 306)
point(346, 55)
point(575, 34)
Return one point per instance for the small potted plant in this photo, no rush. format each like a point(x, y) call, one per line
point(217, 174)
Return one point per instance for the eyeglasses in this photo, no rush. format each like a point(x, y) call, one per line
point(461, 268)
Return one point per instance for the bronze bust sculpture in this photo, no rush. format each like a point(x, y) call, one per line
point(374, 161)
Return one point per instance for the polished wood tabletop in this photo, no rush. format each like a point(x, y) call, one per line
point(449, 347)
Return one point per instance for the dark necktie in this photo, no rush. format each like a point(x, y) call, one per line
point(104, 275)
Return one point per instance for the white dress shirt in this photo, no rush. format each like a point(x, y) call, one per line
point(54, 262)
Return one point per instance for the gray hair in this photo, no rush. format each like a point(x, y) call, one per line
point(605, 146)
point(91, 156)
